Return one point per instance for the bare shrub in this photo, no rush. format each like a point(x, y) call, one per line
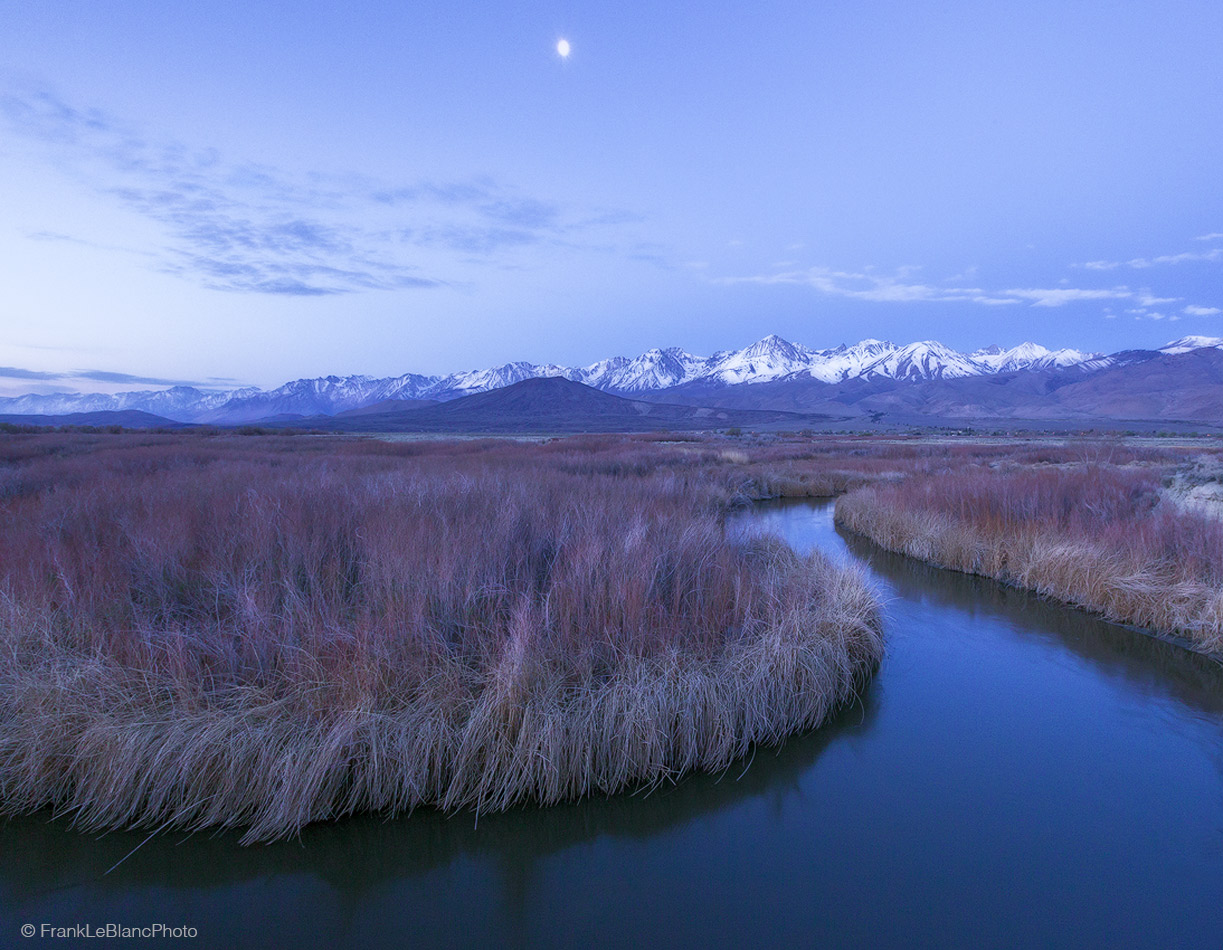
point(264, 632)
point(1094, 534)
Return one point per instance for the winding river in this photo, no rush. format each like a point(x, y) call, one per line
point(1017, 774)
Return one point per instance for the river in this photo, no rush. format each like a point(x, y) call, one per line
point(1016, 774)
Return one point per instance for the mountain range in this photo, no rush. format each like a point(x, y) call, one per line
point(867, 380)
point(554, 404)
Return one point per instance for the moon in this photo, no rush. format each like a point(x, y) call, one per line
point(562, 49)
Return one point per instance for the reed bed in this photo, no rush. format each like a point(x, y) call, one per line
point(261, 633)
point(1096, 534)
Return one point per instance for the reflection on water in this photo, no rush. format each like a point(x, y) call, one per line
point(357, 854)
point(1147, 663)
point(1016, 774)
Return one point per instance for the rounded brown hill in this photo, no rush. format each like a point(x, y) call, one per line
point(556, 404)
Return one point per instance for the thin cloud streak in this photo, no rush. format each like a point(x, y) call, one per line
point(15, 372)
point(870, 286)
point(99, 376)
point(1060, 296)
point(251, 228)
point(900, 287)
point(1142, 263)
point(897, 289)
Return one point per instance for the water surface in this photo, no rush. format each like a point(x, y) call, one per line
point(1017, 774)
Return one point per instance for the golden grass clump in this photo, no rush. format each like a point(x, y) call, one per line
point(1093, 535)
point(215, 633)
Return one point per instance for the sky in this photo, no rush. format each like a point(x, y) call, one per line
point(228, 194)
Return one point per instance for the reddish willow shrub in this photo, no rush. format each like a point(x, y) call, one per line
point(266, 632)
point(1099, 535)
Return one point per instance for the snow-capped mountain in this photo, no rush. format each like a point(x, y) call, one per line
point(925, 360)
point(768, 360)
point(654, 369)
point(326, 395)
point(847, 362)
point(1187, 343)
point(178, 402)
point(482, 380)
point(1029, 356)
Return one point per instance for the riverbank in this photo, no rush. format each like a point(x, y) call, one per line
point(1060, 771)
point(261, 634)
point(1093, 534)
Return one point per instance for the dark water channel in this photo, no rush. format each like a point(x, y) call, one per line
point(1017, 774)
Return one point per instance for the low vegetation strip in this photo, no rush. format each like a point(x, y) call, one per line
point(1094, 534)
point(212, 632)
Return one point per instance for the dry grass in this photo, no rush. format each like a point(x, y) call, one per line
point(1095, 534)
point(262, 633)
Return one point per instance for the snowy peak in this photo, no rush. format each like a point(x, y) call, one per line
point(653, 369)
point(767, 360)
point(1029, 356)
point(925, 360)
point(1017, 357)
point(1187, 343)
point(482, 380)
point(847, 362)
point(774, 348)
point(177, 402)
point(1065, 357)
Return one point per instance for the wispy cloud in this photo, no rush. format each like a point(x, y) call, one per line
point(903, 286)
point(104, 376)
point(99, 376)
point(54, 236)
point(899, 287)
point(239, 226)
point(1142, 263)
point(1146, 299)
point(14, 372)
point(896, 288)
point(1142, 313)
point(470, 239)
point(1060, 296)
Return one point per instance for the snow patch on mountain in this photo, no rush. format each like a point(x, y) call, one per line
point(654, 369)
point(1188, 343)
point(925, 360)
point(1029, 356)
point(767, 360)
point(847, 362)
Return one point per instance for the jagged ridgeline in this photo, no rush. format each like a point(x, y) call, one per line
point(869, 376)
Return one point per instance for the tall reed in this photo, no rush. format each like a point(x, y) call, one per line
point(264, 633)
point(1094, 534)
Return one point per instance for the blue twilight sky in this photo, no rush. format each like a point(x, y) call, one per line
point(221, 192)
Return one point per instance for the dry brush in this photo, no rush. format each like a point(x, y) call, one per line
point(1094, 534)
point(265, 633)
